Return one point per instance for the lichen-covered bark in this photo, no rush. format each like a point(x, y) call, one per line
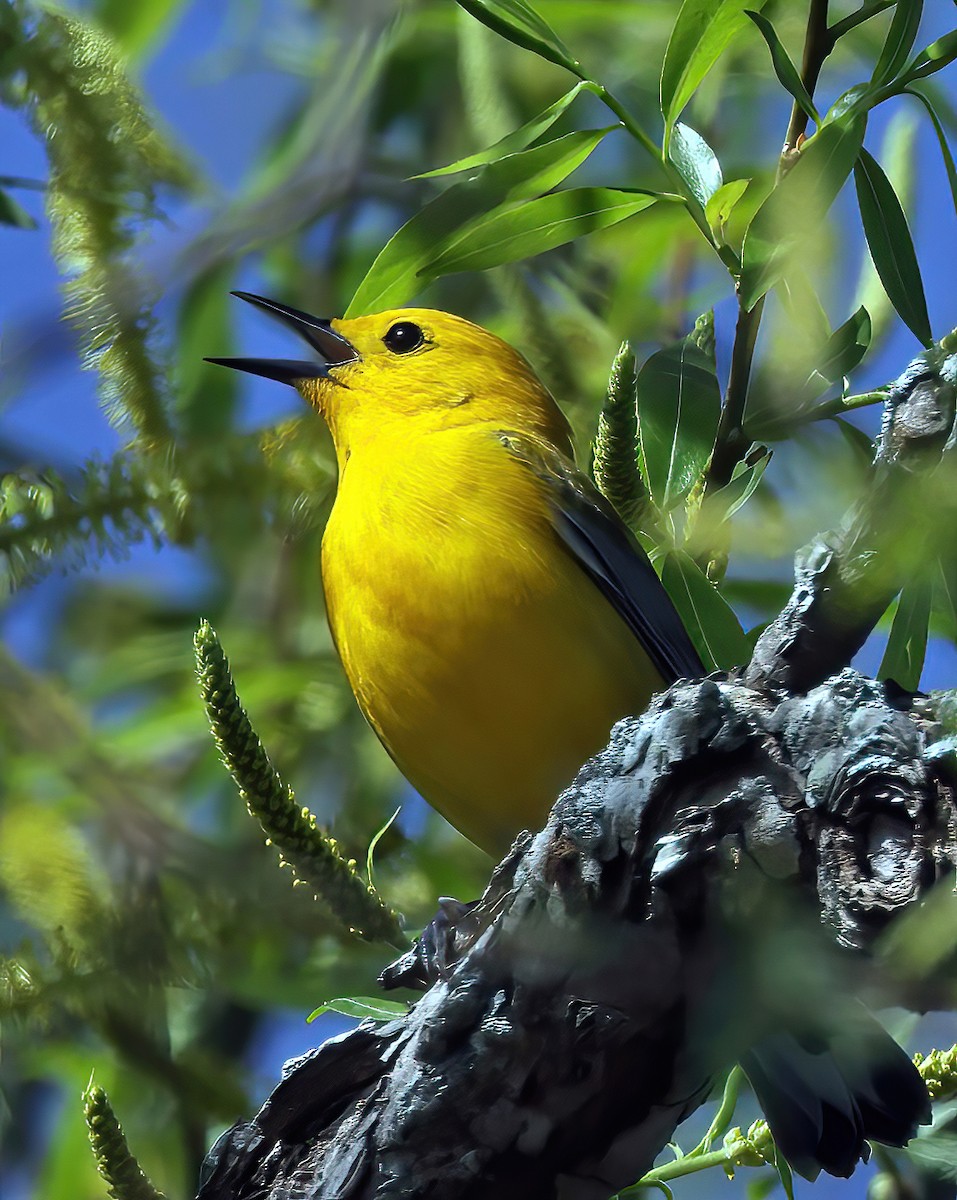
point(718, 872)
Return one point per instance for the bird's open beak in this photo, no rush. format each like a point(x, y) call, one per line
point(334, 348)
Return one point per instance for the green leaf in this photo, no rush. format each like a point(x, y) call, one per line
point(204, 398)
point(793, 212)
point(709, 619)
point(507, 235)
point(903, 659)
point(761, 1186)
point(696, 162)
point(701, 33)
point(519, 23)
point(845, 348)
point(942, 141)
point(396, 274)
point(679, 403)
point(721, 204)
point(784, 1174)
point(936, 56)
point(13, 213)
point(137, 27)
point(362, 1008)
point(746, 476)
point(891, 247)
point(935, 1153)
point(787, 73)
point(517, 140)
point(900, 38)
point(861, 445)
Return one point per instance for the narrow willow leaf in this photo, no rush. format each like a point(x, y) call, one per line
point(903, 659)
point(397, 272)
point(784, 1174)
point(899, 40)
point(857, 440)
point(787, 73)
point(138, 28)
point(519, 23)
point(891, 246)
point(795, 208)
point(362, 1008)
point(696, 162)
point(721, 204)
point(845, 348)
point(942, 141)
point(509, 234)
point(13, 213)
point(709, 619)
point(726, 501)
point(515, 141)
point(701, 33)
point(679, 403)
point(936, 56)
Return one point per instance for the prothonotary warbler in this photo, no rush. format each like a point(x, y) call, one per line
point(493, 614)
point(495, 617)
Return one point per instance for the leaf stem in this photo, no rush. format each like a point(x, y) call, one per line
point(731, 442)
point(613, 104)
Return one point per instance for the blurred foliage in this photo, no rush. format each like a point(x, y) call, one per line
point(147, 935)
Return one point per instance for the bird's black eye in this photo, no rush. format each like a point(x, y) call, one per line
point(403, 337)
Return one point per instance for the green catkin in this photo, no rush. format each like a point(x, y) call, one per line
point(311, 854)
point(116, 1165)
point(615, 451)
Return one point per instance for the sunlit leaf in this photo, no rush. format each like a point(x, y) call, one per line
point(137, 27)
point(903, 658)
point(846, 346)
point(900, 38)
point(396, 274)
point(891, 246)
point(362, 1008)
point(696, 162)
point(744, 480)
point(517, 140)
point(709, 619)
point(933, 59)
point(946, 154)
point(787, 73)
point(518, 22)
point(702, 31)
point(679, 403)
point(721, 204)
point(793, 212)
point(543, 224)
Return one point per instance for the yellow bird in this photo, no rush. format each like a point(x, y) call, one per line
point(492, 613)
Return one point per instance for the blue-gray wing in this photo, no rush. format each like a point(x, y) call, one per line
point(611, 556)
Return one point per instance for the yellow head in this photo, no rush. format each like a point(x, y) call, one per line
point(413, 365)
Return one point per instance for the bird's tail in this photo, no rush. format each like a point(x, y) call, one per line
point(824, 1097)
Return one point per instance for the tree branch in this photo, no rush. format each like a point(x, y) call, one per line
point(719, 873)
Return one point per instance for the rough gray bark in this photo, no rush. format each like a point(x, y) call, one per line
point(720, 869)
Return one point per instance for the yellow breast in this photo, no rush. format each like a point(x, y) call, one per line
point(487, 662)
